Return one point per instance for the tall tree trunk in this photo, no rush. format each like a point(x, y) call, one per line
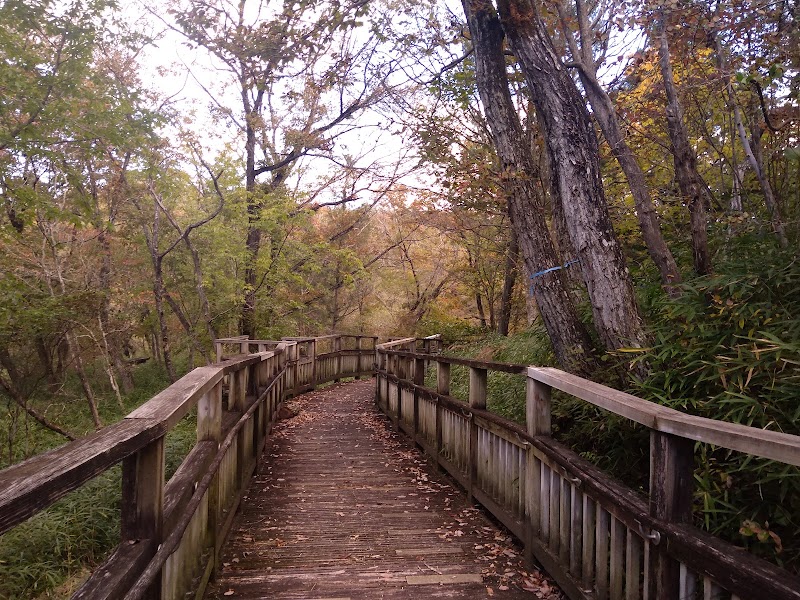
point(509, 279)
point(481, 311)
point(46, 358)
point(194, 343)
point(110, 337)
point(571, 342)
point(752, 150)
point(77, 360)
point(751, 147)
point(158, 295)
point(247, 324)
point(683, 156)
point(574, 157)
point(72, 346)
point(159, 291)
point(606, 116)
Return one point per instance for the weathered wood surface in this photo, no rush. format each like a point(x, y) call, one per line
point(597, 538)
point(28, 487)
point(343, 508)
point(773, 445)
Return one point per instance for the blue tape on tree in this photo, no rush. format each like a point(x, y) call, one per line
point(564, 266)
point(550, 270)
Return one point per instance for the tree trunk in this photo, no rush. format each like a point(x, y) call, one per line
point(158, 294)
point(187, 327)
point(574, 157)
point(571, 342)
point(110, 337)
point(752, 150)
point(247, 324)
point(481, 311)
point(683, 156)
point(509, 279)
point(606, 116)
point(46, 358)
point(14, 393)
point(75, 353)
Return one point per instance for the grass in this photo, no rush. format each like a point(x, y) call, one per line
point(48, 555)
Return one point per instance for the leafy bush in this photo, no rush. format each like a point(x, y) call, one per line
point(80, 530)
point(729, 348)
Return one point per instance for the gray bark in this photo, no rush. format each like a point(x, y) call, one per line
point(574, 157)
point(683, 156)
point(605, 114)
point(570, 339)
point(509, 280)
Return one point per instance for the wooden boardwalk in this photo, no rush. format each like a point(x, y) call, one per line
point(344, 508)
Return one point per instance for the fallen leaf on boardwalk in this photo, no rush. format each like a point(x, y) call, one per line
point(490, 591)
point(229, 593)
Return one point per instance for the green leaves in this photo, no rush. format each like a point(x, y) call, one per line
point(729, 348)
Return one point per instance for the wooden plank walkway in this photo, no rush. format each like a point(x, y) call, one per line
point(343, 507)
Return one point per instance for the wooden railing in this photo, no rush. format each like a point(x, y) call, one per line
point(599, 539)
point(172, 531)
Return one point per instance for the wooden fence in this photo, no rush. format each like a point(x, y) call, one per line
point(597, 538)
point(172, 531)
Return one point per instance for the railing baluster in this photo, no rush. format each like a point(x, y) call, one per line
point(589, 514)
point(337, 348)
point(477, 399)
point(142, 518)
point(633, 565)
point(209, 427)
point(671, 486)
point(617, 571)
point(602, 524)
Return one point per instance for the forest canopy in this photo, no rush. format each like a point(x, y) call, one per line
point(615, 183)
point(385, 167)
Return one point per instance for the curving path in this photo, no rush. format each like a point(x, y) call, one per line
point(345, 508)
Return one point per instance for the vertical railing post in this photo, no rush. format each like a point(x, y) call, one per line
point(358, 357)
point(538, 399)
point(313, 352)
point(239, 383)
point(142, 519)
point(244, 347)
point(218, 348)
point(258, 415)
point(419, 381)
point(400, 373)
point(443, 388)
point(337, 348)
point(443, 378)
point(294, 356)
point(477, 400)
point(209, 428)
point(671, 488)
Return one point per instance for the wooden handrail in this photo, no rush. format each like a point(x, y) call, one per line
point(597, 537)
point(773, 445)
point(204, 493)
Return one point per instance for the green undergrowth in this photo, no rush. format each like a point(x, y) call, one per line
point(46, 556)
point(727, 349)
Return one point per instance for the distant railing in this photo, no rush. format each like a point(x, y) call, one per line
point(599, 539)
point(172, 531)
